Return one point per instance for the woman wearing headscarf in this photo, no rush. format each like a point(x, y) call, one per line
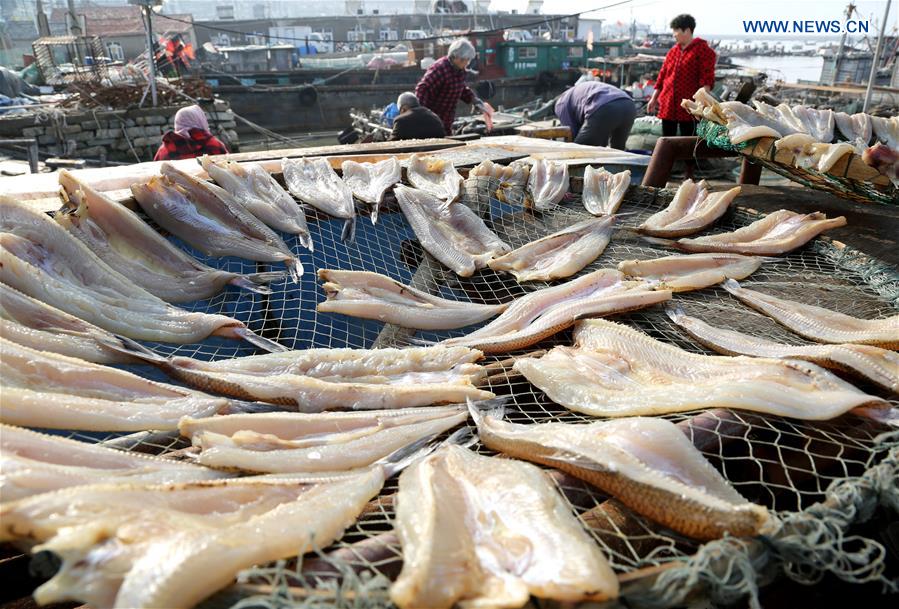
point(190, 138)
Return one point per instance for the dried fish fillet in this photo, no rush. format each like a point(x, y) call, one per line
point(777, 233)
point(604, 191)
point(808, 153)
point(128, 244)
point(313, 380)
point(744, 123)
point(33, 324)
point(820, 324)
point(514, 174)
point(315, 182)
point(110, 537)
point(856, 128)
point(691, 272)
point(692, 209)
point(260, 194)
point(817, 123)
point(369, 181)
point(42, 389)
point(374, 296)
point(452, 233)
point(542, 313)
point(487, 532)
point(40, 259)
point(326, 442)
point(559, 255)
point(879, 366)
point(547, 183)
point(437, 177)
point(886, 130)
point(646, 463)
point(34, 463)
point(202, 215)
point(615, 371)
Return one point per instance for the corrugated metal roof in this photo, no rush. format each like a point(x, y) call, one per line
point(110, 21)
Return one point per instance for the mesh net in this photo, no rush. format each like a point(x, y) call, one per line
point(783, 464)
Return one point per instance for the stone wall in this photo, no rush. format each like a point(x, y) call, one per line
point(117, 135)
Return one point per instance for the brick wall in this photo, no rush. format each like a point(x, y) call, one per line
point(118, 135)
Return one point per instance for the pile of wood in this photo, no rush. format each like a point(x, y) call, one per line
point(127, 95)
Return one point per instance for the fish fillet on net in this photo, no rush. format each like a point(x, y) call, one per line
point(202, 215)
point(547, 184)
point(820, 324)
point(369, 181)
point(691, 272)
point(514, 174)
point(880, 366)
point(487, 532)
point(452, 233)
point(886, 130)
point(325, 442)
point(129, 245)
point(37, 325)
point(559, 255)
point(251, 186)
point(779, 232)
point(34, 463)
point(434, 176)
point(692, 209)
point(616, 371)
point(375, 296)
point(603, 190)
point(745, 123)
point(808, 153)
point(857, 128)
point(542, 313)
point(817, 123)
point(142, 546)
point(40, 259)
point(42, 389)
point(315, 182)
point(313, 380)
point(646, 463)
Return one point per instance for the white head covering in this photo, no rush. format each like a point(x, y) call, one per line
point(191, 117)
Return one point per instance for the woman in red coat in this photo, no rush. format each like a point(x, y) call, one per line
point(689, 65)
point(190, 138)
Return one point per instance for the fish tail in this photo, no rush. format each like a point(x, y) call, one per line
point(675, 312)
point(422, 342)
point(495, 408)
point(306, 241)
point(655, 240)
point(886, 415)
point(258, 341)
point(294, 268)
point(247, 407)
point(126, 346)
point(253, 282)
point(348, 234)
point(374, 213)
point(730, 284)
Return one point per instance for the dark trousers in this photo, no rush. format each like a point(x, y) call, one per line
point(670, 128)
point(610, 122)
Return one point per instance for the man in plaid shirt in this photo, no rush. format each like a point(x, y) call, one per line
point(443, 85)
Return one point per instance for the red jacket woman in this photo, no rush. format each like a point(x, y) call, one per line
point(190, 138)
point(689, 65)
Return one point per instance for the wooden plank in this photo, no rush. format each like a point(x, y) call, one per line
point(348, 149)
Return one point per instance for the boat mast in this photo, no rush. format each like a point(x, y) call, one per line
point(877, 49)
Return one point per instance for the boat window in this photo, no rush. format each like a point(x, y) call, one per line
point(527, 52)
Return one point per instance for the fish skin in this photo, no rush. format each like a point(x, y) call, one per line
point(745, 123)
point(375, 296)
point(856, 128)
point(820, 324)
point(880, 366)
point(37, 325)
point(779, 232)
point(886, 130)
point(42, 389)
point(313, 181)
point(330, 442)
point(604, 191)
point(111, 537)
point(261, 195)
point(559, 255)
point(698, 270)
point(488, 532)
point(313, 380)
point(692, 210)
point(434, 176)
point(547, 183)
point(544, 312)
point(452, 233)
point(370, 181)
point(40, 259)
point(131, 247)
point(615, 371)
point(689, 497)
point(34, 463)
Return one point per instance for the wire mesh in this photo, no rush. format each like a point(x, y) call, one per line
point(783, 464)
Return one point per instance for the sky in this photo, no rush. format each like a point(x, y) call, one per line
point(718, 17)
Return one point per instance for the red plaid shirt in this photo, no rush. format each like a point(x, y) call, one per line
point(201, 142)
point(684, 71)
point(441, 88)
